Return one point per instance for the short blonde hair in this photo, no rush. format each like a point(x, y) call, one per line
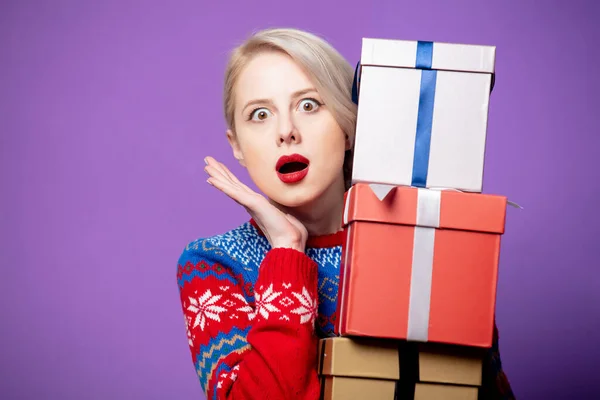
point(325, 66)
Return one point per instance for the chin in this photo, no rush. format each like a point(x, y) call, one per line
point(294, 196)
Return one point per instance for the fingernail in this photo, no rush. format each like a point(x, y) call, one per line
point(207, 181)
point(205, 161)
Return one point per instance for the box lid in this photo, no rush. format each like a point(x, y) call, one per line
point(444, 209)
point(458, 365)
point(437, 55)
point(359, 357)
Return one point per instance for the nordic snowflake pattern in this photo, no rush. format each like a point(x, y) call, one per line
point(247, 249)
point(204, 307)
point(245, 306)
point(263, 302)
point(308, 309)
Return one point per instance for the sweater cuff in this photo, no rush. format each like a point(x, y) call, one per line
point(288, 265)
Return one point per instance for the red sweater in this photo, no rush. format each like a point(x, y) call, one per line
point(254, 315)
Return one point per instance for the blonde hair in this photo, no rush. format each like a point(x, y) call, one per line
point(325, 66)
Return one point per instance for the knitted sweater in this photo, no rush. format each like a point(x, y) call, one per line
point(253, 315)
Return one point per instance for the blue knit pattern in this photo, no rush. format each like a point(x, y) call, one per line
point(243, 250)
point(186, 278)
point(219, 348)
point(222, 368)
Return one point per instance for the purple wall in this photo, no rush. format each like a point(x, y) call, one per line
point(107, 110)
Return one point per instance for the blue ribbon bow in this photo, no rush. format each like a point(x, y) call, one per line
point(423, 62)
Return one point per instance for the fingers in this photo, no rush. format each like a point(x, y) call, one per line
point(214, 168)
point(225, 181)
point(231, 176)
point(228, 188)
point(279, 228)
point(222, 169)
point(225, 172)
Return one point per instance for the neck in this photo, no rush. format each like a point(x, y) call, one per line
point(322, 216)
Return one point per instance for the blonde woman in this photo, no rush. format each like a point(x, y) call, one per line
point(257, 298)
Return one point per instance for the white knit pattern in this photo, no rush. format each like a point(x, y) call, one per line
point(245, 245)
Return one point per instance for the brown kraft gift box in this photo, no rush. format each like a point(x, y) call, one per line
point(435, 371)
point(450, 364)
point(358, 368)
point(380, 369)
point(439, 391)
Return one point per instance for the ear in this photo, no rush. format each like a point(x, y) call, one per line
point(235, 146)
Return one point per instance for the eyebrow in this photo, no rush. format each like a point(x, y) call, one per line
point(264, 101)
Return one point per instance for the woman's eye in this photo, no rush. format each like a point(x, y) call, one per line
point(309, 105)
point(260, 114)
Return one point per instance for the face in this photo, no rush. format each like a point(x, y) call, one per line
point(285, 135)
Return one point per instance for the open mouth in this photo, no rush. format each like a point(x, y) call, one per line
point(291, 167)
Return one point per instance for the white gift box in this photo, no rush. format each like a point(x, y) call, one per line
point(422, 114)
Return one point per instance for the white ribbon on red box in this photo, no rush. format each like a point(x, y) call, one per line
point(428, 219)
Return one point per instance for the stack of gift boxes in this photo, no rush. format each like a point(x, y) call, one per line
point(419, 267)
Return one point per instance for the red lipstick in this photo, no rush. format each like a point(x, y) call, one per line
point(292, 168)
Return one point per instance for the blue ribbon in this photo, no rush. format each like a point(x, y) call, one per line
point(425, 114)
point(424, 58)
point(423, 62)
point(424, 55)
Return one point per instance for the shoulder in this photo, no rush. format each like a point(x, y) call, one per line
point(243, 245)
point(240, 249)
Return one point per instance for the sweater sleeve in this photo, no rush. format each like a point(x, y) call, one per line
point(252, 347)
point(495, 384)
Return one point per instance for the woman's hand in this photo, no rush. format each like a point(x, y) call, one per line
point(282, 230)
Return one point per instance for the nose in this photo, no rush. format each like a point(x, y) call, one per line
point(287, 132)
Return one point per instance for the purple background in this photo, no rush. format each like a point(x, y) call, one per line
point(107, 110)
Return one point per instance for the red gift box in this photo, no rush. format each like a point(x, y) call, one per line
point(420, 265)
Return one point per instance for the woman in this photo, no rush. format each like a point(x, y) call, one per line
point(253, 296)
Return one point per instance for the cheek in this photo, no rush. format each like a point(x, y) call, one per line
point(332, 139)
point(252, 142)
point(256, 157)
